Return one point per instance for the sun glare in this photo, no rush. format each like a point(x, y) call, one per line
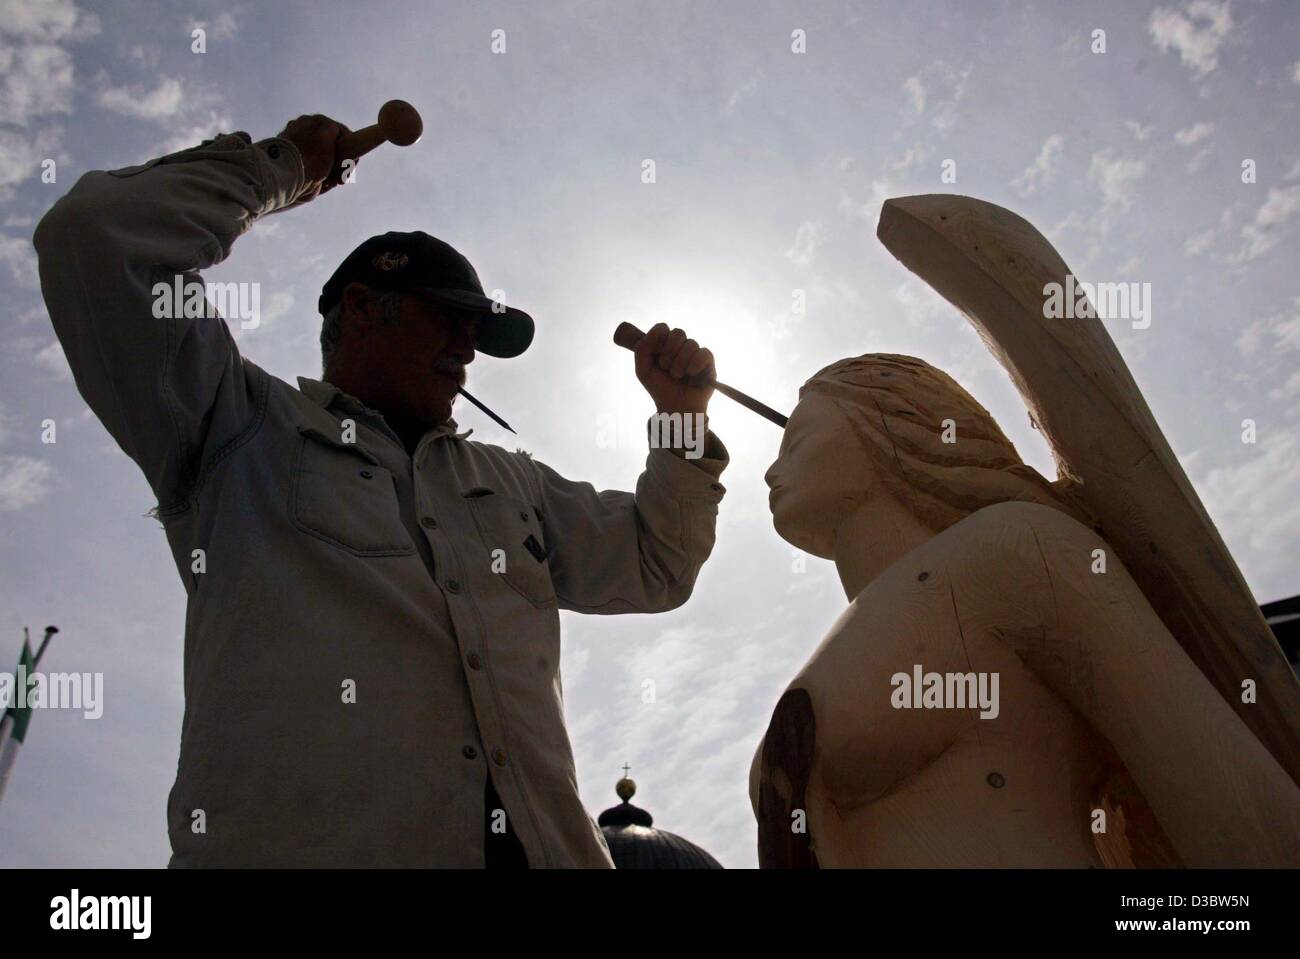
point(745, 349)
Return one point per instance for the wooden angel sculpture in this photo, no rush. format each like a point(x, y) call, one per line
point(1029, 673)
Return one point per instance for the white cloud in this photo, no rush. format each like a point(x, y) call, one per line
point(1251, 339)
point(1283, 328)
point(23, 481)
point(939, 87)
point(1266, 230)
point(713, 690)
point(1116, 178)
point(51, 358)
point(46, 21)
point(881, 190)
point(37, 81)
point(1196, 32)
point(1140, 132)
point(276, 306)
point(575, 661)
point(806, 241)
point(1254, 505)
point(148, 56)
point(1287, 390)
point(196, 133)
point(1198, 160)
point(221, 28)
point(1286, 330)
point(1295, 72)
point(740, 93)
point(921, 304)
point(19, 256)
point(916, 90)
point(1197, 131)
point(1043, 169)
point(21, 154)
point(910, 158)
point(1198, 243)
point(161, 102)
point(945, 113)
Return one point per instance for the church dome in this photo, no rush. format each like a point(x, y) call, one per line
point(634, 843)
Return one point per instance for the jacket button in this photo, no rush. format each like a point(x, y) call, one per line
point(366, 474)
point(524, 517)
point(475, 662)
point(429, 523)
point(499, 756)
point(469, 752)
point(453, 586)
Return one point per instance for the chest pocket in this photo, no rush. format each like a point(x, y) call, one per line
point(342, 495)
point(513, 547)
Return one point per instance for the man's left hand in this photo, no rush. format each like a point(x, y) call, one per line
point(675, 370)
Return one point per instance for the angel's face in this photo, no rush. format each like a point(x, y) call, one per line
point(820, 476)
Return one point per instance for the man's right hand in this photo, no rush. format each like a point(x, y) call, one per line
point(317, 139)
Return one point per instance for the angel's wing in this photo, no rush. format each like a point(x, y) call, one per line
point(993, 266)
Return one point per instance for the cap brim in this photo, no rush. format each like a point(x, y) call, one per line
point(502, 331)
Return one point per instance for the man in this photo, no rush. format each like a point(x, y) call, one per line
point(372, 637)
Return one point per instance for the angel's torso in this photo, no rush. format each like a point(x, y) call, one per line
point(895, 783)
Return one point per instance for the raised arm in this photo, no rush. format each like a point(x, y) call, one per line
point(619, 552)
point(170, 388)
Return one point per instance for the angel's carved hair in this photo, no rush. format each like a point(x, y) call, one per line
point(897, 406)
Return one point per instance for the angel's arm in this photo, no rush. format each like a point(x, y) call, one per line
point(1219, 795)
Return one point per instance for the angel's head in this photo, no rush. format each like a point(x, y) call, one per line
point(892, 433)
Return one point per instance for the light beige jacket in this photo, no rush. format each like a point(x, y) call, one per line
point(356, 658)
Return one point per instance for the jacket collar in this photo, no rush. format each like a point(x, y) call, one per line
point(327, 395)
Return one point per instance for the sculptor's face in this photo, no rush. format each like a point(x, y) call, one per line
point(821, 474)
point(411, 368)
point(421, 359)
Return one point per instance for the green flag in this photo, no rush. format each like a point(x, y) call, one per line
point(22, 716)
point(13, 726)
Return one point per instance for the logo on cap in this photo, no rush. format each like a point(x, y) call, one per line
point(389, 261)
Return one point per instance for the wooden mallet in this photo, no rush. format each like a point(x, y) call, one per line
point(628, 336)
point(399, 123)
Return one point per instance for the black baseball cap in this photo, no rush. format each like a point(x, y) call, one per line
point(417, 261)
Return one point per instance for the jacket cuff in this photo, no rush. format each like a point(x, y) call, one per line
point(695, 477)
point(283, 176)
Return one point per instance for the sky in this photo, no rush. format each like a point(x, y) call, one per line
point(770, 167)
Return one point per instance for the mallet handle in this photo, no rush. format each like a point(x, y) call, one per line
point(628, 336)
point(355, 145)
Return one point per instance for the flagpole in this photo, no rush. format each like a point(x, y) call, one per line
point(49, 631)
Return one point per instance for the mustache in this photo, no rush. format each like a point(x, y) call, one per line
point(453, 369)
